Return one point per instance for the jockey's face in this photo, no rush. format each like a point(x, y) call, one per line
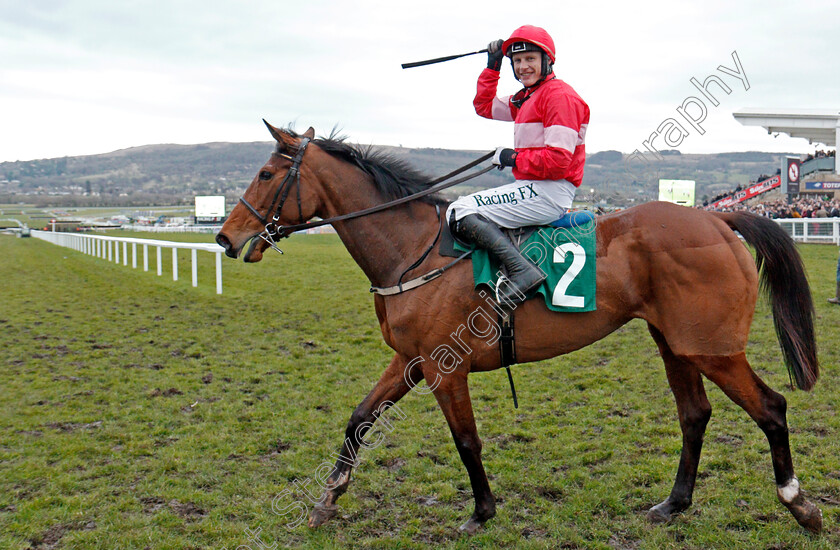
point(528, 67)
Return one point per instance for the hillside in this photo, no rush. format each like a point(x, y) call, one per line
point(170, 174)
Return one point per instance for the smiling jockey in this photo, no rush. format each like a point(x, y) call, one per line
point(550, 121)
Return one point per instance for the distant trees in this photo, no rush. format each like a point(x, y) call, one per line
point(172, 174)
point(606, 157)
point(81, 201)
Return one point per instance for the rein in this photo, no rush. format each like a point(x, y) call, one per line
point(273, 232)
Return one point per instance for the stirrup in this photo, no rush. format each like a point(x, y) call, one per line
point(518, 295)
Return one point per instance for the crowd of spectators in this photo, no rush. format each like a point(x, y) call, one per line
point(802, 208)
point(820, 154)
point(811, 207)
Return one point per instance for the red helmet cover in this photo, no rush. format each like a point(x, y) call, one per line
point(532, 35)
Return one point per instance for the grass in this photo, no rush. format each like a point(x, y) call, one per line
point(139, 412)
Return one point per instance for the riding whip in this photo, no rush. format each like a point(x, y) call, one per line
point(439, 59)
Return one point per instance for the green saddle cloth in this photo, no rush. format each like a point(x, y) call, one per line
point(567, 257)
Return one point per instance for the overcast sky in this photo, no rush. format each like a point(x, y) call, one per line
point(92, 76)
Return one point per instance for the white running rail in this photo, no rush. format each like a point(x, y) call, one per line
point(812, 230)
point(106, 247)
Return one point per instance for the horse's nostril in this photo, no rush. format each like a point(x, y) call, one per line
point(225, 243)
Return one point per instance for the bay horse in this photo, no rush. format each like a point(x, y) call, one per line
point(684, 271)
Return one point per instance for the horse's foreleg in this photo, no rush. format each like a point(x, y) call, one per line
point(453, 396)
point(390, 388)
point(767, 408)
point(694, 412)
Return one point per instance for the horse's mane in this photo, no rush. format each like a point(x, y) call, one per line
point(392, 176)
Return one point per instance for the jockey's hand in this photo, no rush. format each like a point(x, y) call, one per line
point(504, 157)
point(495, 55)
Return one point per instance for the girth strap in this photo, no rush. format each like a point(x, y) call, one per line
point(419, 281)
point(507, 349)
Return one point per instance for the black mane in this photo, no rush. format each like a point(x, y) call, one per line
point(393, 177)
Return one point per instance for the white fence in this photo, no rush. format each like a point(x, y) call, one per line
point(108, 248)
point(806, 230)
point(812, 230)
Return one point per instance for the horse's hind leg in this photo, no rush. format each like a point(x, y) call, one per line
point(738, 381)
point(453, 396)
point(391, 387)
point(694, 411)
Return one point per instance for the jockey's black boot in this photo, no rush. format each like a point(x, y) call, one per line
point(523, 275)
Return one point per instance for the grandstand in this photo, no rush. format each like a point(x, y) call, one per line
point(815, 125)
point(816, 174)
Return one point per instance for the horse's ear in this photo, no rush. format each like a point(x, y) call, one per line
point(309, 133)
point(275, 133)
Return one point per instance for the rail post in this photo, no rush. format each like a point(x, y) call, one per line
point(218, 272)
point(194, 258)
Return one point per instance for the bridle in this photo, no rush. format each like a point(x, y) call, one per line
point(272, 232)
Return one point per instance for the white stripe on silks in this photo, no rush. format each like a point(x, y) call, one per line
point(582, 134)
point(500, 109)
point(528, 134)
point(562, 137)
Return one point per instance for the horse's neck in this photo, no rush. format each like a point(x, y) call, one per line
point(384, 243)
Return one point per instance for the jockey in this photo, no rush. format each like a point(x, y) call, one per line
point(550, 121)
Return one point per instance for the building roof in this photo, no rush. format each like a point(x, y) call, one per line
point(815, 125)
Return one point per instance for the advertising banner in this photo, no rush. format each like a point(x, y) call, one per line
point(792, 170)
point(822, 185)
point(748, 193)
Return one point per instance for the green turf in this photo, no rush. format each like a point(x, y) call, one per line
point(139, 412)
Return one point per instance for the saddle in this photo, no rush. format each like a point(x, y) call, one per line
point(518, 235)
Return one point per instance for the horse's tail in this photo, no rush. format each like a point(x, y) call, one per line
point(783, 279)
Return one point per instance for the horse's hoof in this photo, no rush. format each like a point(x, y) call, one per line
point(808, 515)
point(664, 512)
point(470, 527)
point(658, 515)
point(321, 515)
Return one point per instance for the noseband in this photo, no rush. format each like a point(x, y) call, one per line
point(272, 231)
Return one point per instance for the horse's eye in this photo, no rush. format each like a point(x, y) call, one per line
point(265, 175)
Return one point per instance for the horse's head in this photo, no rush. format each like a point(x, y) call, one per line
point(278, 195)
